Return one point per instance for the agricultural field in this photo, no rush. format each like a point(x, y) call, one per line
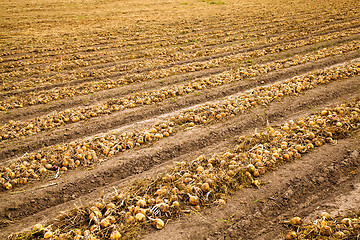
point(180, 119)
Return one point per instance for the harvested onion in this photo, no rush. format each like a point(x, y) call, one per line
point(140, 217)
point(158, 223)
point(115, 235)
point(48, 234)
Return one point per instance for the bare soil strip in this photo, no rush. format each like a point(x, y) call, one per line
point(214, 39)
point(178, 57)
point(203, 27)
point(134, 88)
point(138, 87)
point(71, 132)
point(136, 75)
point(179, 77)
point(161, 152)
point(302, 188)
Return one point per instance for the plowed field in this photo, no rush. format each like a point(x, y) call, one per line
point(180, 119)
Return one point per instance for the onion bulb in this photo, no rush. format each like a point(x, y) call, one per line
point(48, 234)
point(326, 230)
point(111, 219)
point(7, 186)
point(175, 204)
point(99, 205)
point(115, 235)
point(164, 207)
point(291, 235)
point(296, 221)
point(205, 187)
point(325, 216)
point(251, 168)
point(158, 223)
point(339, 235)
point(38, 227)
point(346, 221)
point(104, 223)
point(194, 200)
point(140, 217)
point(141, 203)
point(130, 219)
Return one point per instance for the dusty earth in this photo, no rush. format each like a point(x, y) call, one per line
point(41, 53)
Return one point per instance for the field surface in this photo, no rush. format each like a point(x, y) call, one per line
point(180, 119)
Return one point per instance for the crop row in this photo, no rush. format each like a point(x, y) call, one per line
point(174, 50)
point(118, 39)
point(160, 46)
point(16, 129)
point(98, 40)
point(339, 227)
point(43, 97)
point(80, 68)
point(104, 39)
point(205, 181)
point(66, 156)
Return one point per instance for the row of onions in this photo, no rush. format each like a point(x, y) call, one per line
point(43, 97)
point(325, 226)
point(204, 181)
point(62, 157)
point(188, 48)
point(16, 129)
point(184, 51)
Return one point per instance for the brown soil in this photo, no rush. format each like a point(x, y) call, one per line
point(319, 182)
point(42, 199)
point(327, 179)
point(70, 132)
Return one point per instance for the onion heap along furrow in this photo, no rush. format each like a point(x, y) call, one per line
point(339, 227)
point(96, 43)
point(150, 39)
point(205, 181)
point(17, 129)
point(90, 36)
point(179, 53)
point(43, 97)
point(104, 72)
point(62, 157)
point(79, 60)
point(166, 48)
